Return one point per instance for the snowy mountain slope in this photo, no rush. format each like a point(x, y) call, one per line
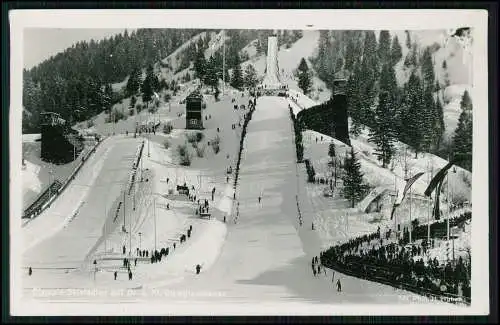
point(215, 43)
point(250, 49)
point(173, 58)
point(455, 78)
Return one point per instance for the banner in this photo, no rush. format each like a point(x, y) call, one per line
point(402, 193)
point(436, 213)
point(438, 179)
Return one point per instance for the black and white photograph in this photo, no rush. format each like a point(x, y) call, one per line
point(256, 162)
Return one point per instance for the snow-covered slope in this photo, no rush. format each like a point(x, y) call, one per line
point(454, 77)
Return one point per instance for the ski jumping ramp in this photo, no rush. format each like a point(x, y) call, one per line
point(271, 80)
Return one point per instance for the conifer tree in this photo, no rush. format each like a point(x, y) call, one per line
point(466, 102)
point(211, 77)
point(354, 188)
point(107, 97)
point(147, 86)
point(428, 69)
point(428, 123)
point(350, 55)
point(439, 126)
point(133, 82)
point(332, 155)
point(408, 39)
point(382, 133)
point(303, 65)
point(412, 56)
point(305, 81)
point(384, 46)
point(237, 78)
point(200, 66)
point(396, 51)
point(369, 73)
point(388, 80)
point(462, 138)
point(354, 100)
point(412, 116)
point(250, 76)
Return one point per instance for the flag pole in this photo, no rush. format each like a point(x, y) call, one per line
point(395, 198)
point(410, 227)
point(154, 214)
point(448, 214)
point(428, 209)
point(105, 219)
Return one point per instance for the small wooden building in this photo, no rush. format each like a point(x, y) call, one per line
point(194, 108)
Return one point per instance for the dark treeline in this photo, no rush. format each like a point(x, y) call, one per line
point(411, 113)
point(76, 83)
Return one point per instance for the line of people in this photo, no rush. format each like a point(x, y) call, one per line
point(317, 267)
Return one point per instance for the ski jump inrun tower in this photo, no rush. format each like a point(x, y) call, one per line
point(271, 80)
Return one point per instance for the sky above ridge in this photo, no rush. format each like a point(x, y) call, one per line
point(42, 43)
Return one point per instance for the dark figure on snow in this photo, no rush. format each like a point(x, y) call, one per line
point(312, 226)
point(174, 245)
point(168, 206)
point(115, 274)
point(319, 269)
point(314, 271)
point(30, 271)
point(123, 249)
point(227, 179)
point(339, 286)
point(137, 251)
point(213, 193)
point(130, 275)
point(224, 219)
point(260, 199)
point(198, 268)
point(333, 275)
point(234, 196)
point(135, 262)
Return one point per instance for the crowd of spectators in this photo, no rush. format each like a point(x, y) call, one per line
point(377, 257)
